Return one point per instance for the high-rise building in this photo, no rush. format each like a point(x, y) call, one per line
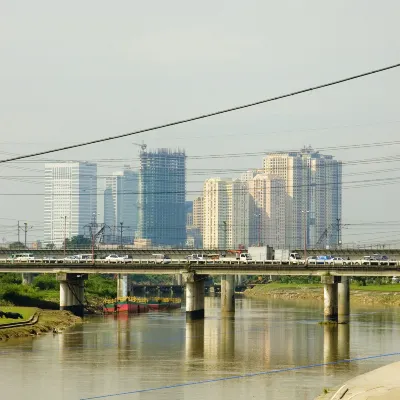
point(267, 211)
point(226, 214)
point(162, 191)
point(198, 213)
point(70, 201)
point(313, 196)
point(120, 206)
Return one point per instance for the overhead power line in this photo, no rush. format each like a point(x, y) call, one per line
point(213, 114)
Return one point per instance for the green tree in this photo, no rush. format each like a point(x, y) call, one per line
point(17, 246)
point(78, 242)
point(50, 246)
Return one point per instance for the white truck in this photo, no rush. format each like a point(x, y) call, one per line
point(284, 255)
point(260, 253)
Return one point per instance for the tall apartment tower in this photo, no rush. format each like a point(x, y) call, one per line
point(120, 206)
point(198, 213)
point(267, 211)
point(162, 191)
point(313, 196)
point(226, 214)
point(70, 200)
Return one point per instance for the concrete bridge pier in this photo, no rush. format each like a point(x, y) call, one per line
point(194, 296)
point(178, 279)
point(238, 280)
point(344, 300)
point(228, 293)
point(72, 292)
point(122, 285)
point(27, 278)
point(330, 297)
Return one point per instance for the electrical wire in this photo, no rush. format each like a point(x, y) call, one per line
point(204, 116)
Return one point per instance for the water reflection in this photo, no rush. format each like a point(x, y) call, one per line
point(194, 340)
point(227, 338)
point(123, 353)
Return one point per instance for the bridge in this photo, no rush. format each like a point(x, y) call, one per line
point(100, 251)
point(334, 277)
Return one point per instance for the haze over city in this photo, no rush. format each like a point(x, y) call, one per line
point(63, 83)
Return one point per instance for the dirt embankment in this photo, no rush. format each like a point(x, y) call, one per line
point(307, 293)
point(48, 321)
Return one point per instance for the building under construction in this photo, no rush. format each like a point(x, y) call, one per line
point(161, 203)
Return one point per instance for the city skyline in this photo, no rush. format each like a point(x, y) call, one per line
point(295, 194)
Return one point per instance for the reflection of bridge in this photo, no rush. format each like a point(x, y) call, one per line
point(334, 278)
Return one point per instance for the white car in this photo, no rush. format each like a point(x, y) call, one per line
point(70, 259)
point(115, 258)
point(21, 257)
point(337, 261)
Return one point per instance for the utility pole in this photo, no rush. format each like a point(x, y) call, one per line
point(121, 223)
point(25, 230)
point(338, 232)
point(18, 233)
point(259, 229)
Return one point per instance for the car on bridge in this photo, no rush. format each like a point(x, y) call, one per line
point(160, 259)
point(70, 259)
point(337, 261)
point(21, 257)
point(115, 258)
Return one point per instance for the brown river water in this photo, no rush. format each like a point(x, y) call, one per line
point(117, 357)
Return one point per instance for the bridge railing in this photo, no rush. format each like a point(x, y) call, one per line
point(185, 262)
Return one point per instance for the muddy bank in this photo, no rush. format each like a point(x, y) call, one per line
point(316, 293)
point(48, 321)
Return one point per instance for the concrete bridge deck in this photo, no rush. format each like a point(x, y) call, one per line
point(214, 268)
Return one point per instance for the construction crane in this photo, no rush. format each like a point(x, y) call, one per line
point(143, 146)
point(337, 226)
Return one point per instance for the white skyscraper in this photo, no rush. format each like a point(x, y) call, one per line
point(313, 196)
point(120, 205)
point(226, 214)
point(70, 200)
point(267, 210)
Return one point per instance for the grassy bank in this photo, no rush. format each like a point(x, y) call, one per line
point(371, 294)
point(48, 321)
point(26, 312)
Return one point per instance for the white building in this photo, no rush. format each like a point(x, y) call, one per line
point(70, 200)
point(226, 214)
point(267, 211)
point(120, 205)
point(313, 196)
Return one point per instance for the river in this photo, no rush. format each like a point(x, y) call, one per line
point(109, 355)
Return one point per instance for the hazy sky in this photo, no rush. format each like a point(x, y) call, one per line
point(76, 71)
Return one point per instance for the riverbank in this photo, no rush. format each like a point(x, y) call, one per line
point(375, 294)
point(381, 383)
point(47, 321)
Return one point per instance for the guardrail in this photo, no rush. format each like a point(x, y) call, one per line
point(209, 262)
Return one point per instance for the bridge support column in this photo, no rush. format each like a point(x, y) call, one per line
point(344, 300)
point(122, 285)
point(72, 292)
point(194, 296)
point(238, 280)
point(178, 279)
point(330, 298)
point(228, 293)
point(27, 278)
